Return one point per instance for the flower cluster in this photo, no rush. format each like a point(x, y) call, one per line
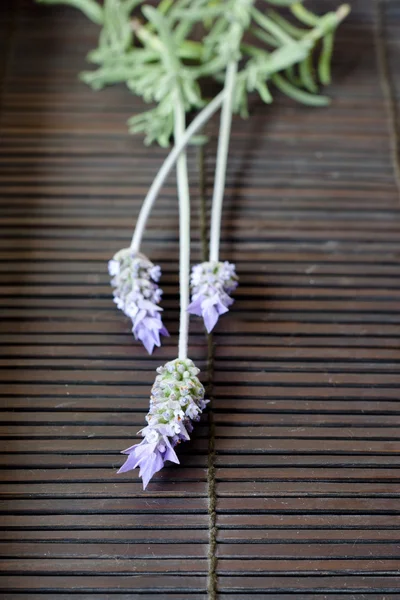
point(177, 399)
point(136, 293)
point(211, 283)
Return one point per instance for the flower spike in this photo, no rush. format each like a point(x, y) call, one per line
point(212, 283)
point(177, 399)
point(136, 293)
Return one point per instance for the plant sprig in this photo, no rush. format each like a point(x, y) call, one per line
point(155, 53)
point(280, 51)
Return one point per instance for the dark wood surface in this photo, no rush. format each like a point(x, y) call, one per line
point(299, 453)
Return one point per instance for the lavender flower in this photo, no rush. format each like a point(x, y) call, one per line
point(177, 399)
point(137, 294)
point(211, 283)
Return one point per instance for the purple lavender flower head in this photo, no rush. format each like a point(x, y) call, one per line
point(136, 293)
point(212, 283)
point(177, 399)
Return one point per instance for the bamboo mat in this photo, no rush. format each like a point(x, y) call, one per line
point(290, 485)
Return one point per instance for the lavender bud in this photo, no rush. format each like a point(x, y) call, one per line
point(160, 438)
point(137, 295)
point(211, 284)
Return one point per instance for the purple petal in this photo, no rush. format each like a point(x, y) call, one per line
point(154, 331)
point(154, 464)
point(195, 307)
point(155, 273)
point(164, 331)
point(183, 434)
point(212, 309)
point(221, 308)
point(148, 332)
point(146, 456)
point(153, 323)
point(132, 461)
point(139, 317)
point(210, 316)
point(188, 425)
point(226, 301)
point(147, 339)
point(170, 453)
point(149, 307)
point(131, 448)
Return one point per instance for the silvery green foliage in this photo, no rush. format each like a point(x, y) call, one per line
point(156, 53)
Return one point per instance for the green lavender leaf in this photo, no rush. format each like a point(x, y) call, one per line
point(264, 92)
point(304, 15)
point(264, 36)
point(289, 28)
point(324, 65)
point(156, 124)
point(293, 92)
point(306, 74)
point(292, 76)
point(271, 27)
point(282, 2)
point(90, 8)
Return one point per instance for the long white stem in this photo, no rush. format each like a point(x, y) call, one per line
point(184, 229)
point(168, 164)
point(222, 158)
